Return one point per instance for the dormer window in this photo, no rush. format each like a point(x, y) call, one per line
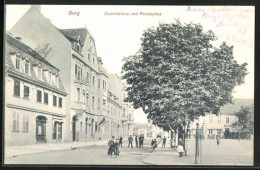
point(26, 66)
point(50, 77)
point(17, 63)
point(78, 47)
point(39, 72)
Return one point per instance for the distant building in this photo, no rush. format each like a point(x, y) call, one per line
point(148, 130)
point(221, 124)
point(34, 97)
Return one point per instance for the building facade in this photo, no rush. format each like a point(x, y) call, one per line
point(34, 97)
point(213, 125)
point(93, 111)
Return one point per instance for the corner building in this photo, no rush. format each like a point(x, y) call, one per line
point(73, 51)
point(34, 97)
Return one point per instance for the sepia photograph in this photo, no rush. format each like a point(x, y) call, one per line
point(129, 85)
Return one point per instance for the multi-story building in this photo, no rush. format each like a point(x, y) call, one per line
point(73, 51)
point(34, 96)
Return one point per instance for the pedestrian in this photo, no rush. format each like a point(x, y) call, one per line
point(218, 139)
point(164, 142)
point(120, 141)
point(110, 145)
point(130, 141)
point(180, 148)
point(140, 141)
point(152, 143)
point(136, 141)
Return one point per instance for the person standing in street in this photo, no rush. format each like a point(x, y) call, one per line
point(120, 141)
point(218, 139)
point(136, 141)
point(164, 142)
point(130, 141)
point(140, 141)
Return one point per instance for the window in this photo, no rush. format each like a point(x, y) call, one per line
point(17, 63)
point(93, 102)
point(26, 92)
point(98, 103)
point(88, 57)
point(99, 83)
point(219, 131)
point(60, 102)
point(87, 77)
point(56, 80)
point(210, 131)
point(78, 72)
point(45, 98)
point(17, 88)
point(93, 60)
point(26, 67)
point(80, 126)
point(86, 126)
point(39, 73)
point(227, 120)
point(78, 93)
point(49, 77)
point(84, 97)
point(77, 47)
point(25, 123)
point(96, 126)
point(93, 81)
point(15, 122)
point(54, 100)
point(39, 96)
point(104, 85)
point(87, 102)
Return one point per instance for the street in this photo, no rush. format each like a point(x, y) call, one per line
point(229, 152)
point(95, 155)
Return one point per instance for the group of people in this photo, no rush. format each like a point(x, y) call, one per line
point(113, 146)
point(139, 141)
point(154, 143)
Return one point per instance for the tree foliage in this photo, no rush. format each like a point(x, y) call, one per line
point(177, 75)
point(244, 119)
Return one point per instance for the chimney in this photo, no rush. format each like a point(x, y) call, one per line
point(38, 7)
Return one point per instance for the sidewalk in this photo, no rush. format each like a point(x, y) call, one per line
point(13, 151)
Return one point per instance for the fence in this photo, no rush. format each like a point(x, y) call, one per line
point(238, 135)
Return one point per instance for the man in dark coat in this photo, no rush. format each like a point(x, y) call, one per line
point(120, 141)
point(136, 141)
point(164, 142)
point(130, 141)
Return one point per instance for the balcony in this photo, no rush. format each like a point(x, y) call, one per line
point(82, 82)
point(79, 105)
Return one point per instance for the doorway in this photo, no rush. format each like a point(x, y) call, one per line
point(41, 129)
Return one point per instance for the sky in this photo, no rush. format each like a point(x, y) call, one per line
point(118, 36)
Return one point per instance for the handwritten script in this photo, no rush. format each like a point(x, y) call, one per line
point(235, 21)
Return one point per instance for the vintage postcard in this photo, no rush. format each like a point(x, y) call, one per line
point(129, 85)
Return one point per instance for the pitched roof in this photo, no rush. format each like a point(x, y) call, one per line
point(26, 49)
point(75, 34)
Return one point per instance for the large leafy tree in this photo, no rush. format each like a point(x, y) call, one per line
point(177, 75)
point(244, 119)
